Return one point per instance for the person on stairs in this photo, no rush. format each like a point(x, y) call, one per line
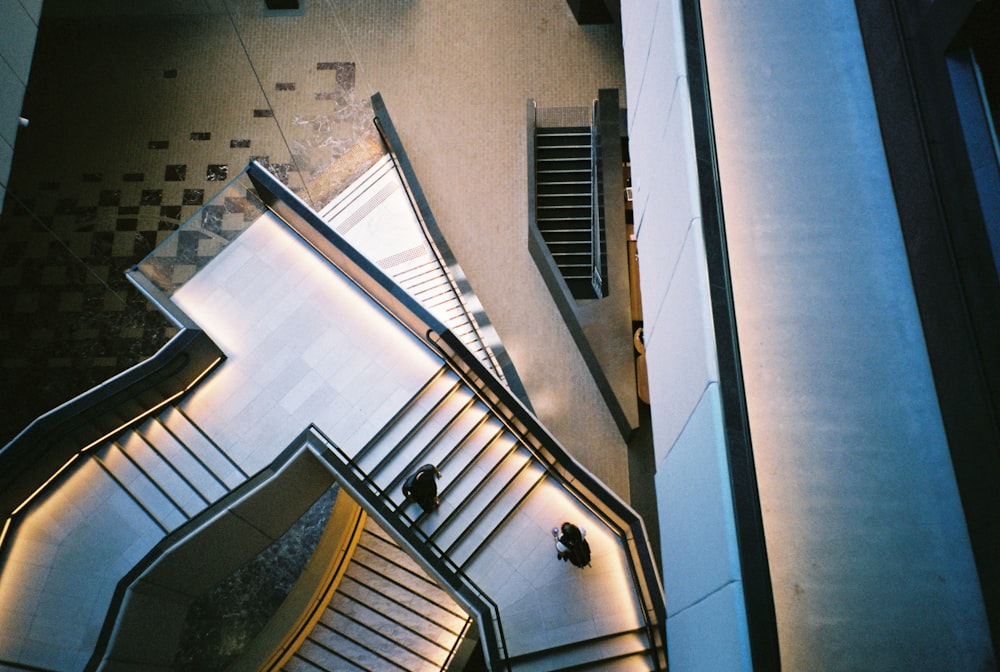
point(421, 487)
point(571, 546)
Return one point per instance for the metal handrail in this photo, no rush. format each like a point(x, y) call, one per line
point(556, 461)
point(596, 211)
point(458, 642)
point(435, 335)
point(418, 212)
point(423, 537)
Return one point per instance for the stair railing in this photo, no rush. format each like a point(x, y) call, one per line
point(589, 491)
point(429, 329)
point(392, 517)
point(597, 280)
point(51, 445)
point(421, 211)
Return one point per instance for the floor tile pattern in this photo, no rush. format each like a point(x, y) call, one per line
point(68, 317)
point(116, 95)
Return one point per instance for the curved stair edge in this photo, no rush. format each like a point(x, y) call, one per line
point(302, 609)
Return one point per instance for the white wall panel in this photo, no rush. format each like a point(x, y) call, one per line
point(694, 498)
point(706, 629)
point(711, 636)
point(638, 20)
point(681, 349)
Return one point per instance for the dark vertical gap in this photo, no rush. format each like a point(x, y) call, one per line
point(754, 568)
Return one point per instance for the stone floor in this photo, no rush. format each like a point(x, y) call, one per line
point(140, 114)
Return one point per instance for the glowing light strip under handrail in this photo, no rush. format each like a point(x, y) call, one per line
point(80, 452)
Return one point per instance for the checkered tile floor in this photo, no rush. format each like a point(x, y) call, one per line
point(68, 317)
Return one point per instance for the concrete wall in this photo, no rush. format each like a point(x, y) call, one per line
point(870, 559)
point(706, 625)
point(18, 28)
point(869, 555)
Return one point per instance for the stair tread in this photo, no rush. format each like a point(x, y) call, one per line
point(198, 474)
point(140, 488)
point(155, 466)
point(191, 436)
point(625, 650)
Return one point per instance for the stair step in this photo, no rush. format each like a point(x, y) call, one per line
point(550, 131)
point(329, 649)
point(176, 421)
point(158, 506)
point(578, 152)
point(390, 463)
point(494, 518)
point(445, 525)
point(311, 658)
point(383, 632)
point(162, 471)
point(619, 652)
point(554, 184)
point(465, 431)
point(472, 476)
point(550, 172)
point(409, 420)
point(549, 201)
point(209, 486)
point(429, 611)
point(386, 614)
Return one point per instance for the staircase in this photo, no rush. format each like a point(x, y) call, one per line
point(564, 207)
point(362, 214)
point(169, 467)
point(386, 615)
point(487, 479)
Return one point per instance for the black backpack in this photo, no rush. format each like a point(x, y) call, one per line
point(579, 554)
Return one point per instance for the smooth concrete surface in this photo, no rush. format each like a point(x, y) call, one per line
point(694, 500)
point(724, 647)
point(870, 560)
point(706, 627)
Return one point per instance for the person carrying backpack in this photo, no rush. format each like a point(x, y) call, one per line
point(571, 546)
point(421, 487)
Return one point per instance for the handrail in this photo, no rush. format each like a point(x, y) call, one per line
point(110, 638)
point(52, 442)
point(457, 645)
point(343, 532)
point(596, 210)
point(429, 330)
point(414, 205)
point(390, 512)
point(590, 492)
